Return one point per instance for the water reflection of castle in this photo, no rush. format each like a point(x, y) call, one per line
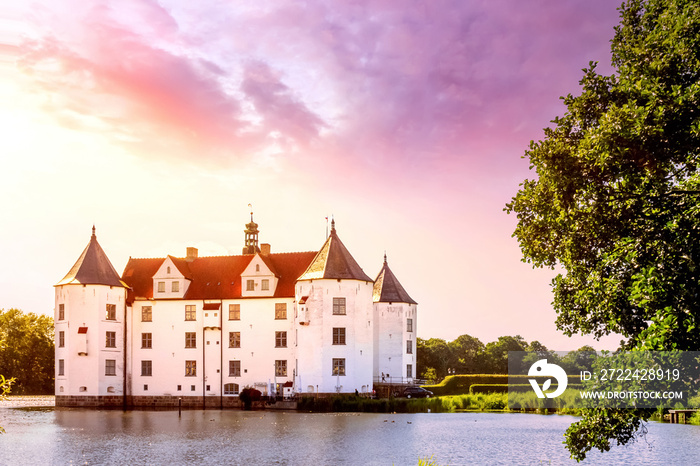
point(203, 328)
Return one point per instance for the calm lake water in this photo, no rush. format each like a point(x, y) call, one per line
point(37, 436)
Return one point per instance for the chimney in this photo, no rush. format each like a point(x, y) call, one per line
point(191, 254)
point(265, 249)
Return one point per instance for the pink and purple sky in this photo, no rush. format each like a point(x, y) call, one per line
point(406, 120)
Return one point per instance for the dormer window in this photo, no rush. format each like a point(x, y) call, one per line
point(161, 287)
point(250, 285)
point(265, 285)
point(175, 287)
point(168, 271)
point(257, 267)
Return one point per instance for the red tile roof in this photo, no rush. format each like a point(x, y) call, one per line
point(216, 277)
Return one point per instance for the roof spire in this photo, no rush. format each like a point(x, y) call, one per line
point(332, 224)
point(93, 230)
point(384, 257)
point(251, 235)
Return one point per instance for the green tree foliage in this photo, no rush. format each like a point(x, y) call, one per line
point(466, 354)
point(496, 353)
point(27, 351)
point(434, 354)
point(5, 385)
point(615, 202)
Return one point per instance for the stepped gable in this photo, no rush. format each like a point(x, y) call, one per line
point(334, 261)
point(387, 288)
point(92, 268)
point(217, 277)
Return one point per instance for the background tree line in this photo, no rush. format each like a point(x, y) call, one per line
point(27, 351)
point(466, 354)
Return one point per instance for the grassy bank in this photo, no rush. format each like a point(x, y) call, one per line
point(444, 404)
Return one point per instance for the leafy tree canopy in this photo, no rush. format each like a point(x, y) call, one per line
point(615, 202)
point(27, 351)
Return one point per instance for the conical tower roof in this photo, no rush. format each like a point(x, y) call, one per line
point(387, 288)
point(334, 261)
point(92, 268)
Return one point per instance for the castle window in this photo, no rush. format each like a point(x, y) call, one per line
point(234, 339)
point(179, 388)
point(265, 284)
point(61, 339)
point(338, 335)
point(250, 285)
point(146, 368)
point(146, 314)
point(280, 339)
point(146, 340)
point(231, 389)
point(234, 368)
point(257, 267)
point(281, 368)
point(190, 312)
point(234, 312)
point(111, 313)
point(280, 311)
point(110, 367)
point(168, 270)
point(339, 306)
point(409, 325)
point(190, 339)
point(338, 366)
point(111, 340)
point(61, 366)
point(61, 312)
point(191, 369)
point(409, 370)
point(409, 347)
point(175, 287)
point(161, 287)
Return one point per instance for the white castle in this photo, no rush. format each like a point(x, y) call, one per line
point(197, 330)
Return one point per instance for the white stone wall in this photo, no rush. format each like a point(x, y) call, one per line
point(257, 352)
point(391, 334)
point(316, 350)
point(86, 306)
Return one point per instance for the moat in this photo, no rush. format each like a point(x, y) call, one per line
point(46, 435)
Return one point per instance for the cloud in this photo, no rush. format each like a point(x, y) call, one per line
point(388, 83)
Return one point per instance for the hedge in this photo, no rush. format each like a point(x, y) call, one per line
point(460, 384)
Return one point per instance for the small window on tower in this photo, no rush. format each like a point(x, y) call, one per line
point(339, 306)
point(61, 311)
point(111, 313)
point(111, 340)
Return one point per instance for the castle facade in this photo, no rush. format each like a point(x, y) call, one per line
point(197, 330)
